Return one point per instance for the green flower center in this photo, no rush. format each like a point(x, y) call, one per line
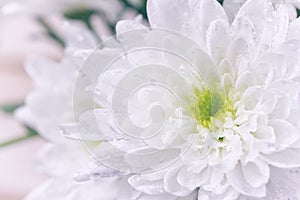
point(209, 105)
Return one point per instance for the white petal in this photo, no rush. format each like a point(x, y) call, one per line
point(237, 47)
point(280, 25)
point(294, 30)
point(226, 67)
point(263, 131)
point(164, 13)
point(227, 81)
point(172, 186)
point(246, 80)
point(192, 22)
point(128, 25)
point(46, 72)
point(296, 144)
point(54, 189)
point(201, 60)
point(103, 124)
point(258, 12)
point(79, 38)
point(286, 134)
point(193, 195)
point(233, 153)
point(148, 159)
point(232, 7)
point(217, 183)
point(284, 183)
point(209, 11)
point(110, 156)
point(256, 173)
point(148, 183)
point(77, 132)
point(131, 33)
point(164, 196)
point(243, 27)
point(229, 194)
point(104, 189)
point(287, 158)
point(96, 172)
point(90, 121)
point(217, 39)
point(106, 86)
point(25, 115)
point(238, 182)
point(98, 61)
point(190, 180)
point(282, 108)
point(58, 159)
point(252, 97)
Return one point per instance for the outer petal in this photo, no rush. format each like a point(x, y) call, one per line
point(285, 133)
point(67, 189)
point(256, 173)
point(87, 39)
point(246, 80)
point(54, 189)
point(148, 183)
point(167, 13)
point(172, 186)
point(294, 30)
point(46, 73)
point(258, 12)
point(164, 196)
point(191, 180)
point(230, 194)
point(287, 158)
point(238, 182)
point(57, 160)
point(280, 24)
point(193, 22)
point(232, 7)
point(283, 184)
point(129, 25)
point(217, 38)
point(131, 33)
point(239, 46)
point(95, 171)
point(150, 158)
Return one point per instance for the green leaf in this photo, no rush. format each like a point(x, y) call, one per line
point(30, 134)
point(10, 108)
point(140, 10)
point(84, 14)
point(79, 13)
point(51, 33)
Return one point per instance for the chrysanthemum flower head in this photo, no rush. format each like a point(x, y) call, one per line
point(197, 102)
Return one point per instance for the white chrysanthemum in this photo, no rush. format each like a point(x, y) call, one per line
point(230, 98)
point(65, 160)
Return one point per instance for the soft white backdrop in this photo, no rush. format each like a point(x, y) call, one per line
point(19, 36)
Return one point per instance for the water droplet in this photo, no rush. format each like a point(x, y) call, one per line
point(266, 46)
point(182, 70)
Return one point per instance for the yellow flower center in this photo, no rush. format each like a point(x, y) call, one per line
point(209, 105)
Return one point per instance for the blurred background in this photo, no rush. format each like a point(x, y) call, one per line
point(19, 37)
point(35, 27)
